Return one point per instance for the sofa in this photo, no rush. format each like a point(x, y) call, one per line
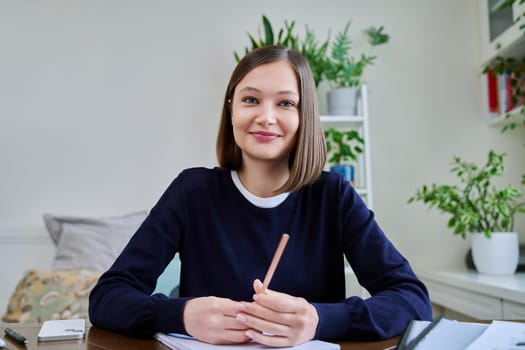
point(85, 248)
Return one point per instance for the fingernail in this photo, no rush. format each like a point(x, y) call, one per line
point(249, 334)
point(241, 318)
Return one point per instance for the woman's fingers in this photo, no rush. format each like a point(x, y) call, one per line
point(212, 320)
point(278, 319)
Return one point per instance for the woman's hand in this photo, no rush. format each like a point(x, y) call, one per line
point(278, 319)
point(212, 320)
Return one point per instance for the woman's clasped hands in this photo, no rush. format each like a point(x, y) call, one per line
point(273, 319)
point(278, 319)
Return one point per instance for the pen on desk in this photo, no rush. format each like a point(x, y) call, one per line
point(16, 337)
point(275, 260)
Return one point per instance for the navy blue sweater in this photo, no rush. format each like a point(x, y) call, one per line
point(225, 242)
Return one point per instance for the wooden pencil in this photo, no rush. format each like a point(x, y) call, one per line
point(276, 257)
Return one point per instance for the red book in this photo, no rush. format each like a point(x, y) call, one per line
point(492, 88)
point(510, 105)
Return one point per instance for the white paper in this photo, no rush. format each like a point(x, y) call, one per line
point(175, 341)
point(417, 327)
point(62, 330)
point(446, 334)
point(501, 335)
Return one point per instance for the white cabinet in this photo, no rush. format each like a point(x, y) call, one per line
point(476, 295)
point(363, 178)
point(500, 35)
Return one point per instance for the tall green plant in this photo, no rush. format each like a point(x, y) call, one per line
point(343, 69)
point(475, 205)
point(311, 48)
point(285, 37)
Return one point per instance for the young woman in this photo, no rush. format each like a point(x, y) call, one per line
point(226, 222)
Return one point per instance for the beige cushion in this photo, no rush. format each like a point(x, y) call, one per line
point(46, 295)
point(90, 243)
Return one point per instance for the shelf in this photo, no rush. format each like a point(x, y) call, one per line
point(342, 118)
point(514, 115)
point(361, 191)
point(495, 7)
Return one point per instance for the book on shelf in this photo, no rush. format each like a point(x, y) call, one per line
point(492, 90)
point(500, 94)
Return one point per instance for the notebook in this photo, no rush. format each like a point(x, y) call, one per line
point(62, 330)
point(183, 342)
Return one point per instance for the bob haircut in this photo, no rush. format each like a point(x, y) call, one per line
point(308, 156)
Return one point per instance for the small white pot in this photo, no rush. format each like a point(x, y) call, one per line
point(342, 101)
point(497, 255)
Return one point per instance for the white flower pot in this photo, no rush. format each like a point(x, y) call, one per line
point(497, 255)
point(342, 101)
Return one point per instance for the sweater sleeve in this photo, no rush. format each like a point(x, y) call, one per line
point(122, 301)
point(397, 295)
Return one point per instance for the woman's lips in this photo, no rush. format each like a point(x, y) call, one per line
point(264, 135)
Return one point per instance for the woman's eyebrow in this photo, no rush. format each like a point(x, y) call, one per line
point(282, 92)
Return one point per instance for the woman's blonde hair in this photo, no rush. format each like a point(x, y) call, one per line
point(308, 156)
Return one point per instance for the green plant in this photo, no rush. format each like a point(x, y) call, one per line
point(340, 68)
point(342, 145)
point(475, 205)
point(310, 47)
point(344, 70)
point(285, 37)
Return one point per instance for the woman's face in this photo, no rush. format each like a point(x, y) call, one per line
point(265, 112)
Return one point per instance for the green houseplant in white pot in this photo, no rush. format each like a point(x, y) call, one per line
point(343, 72)
point(343, 146)
point(478, 208)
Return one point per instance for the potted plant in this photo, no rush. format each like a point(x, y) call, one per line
point(344, 72)
point(484, 211)
point(343, 146)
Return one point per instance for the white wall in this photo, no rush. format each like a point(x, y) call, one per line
point(102, 103)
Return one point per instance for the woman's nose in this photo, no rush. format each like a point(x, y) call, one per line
point(267, 114)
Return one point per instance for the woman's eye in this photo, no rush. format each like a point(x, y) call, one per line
point(287, 104)
point(250, 100)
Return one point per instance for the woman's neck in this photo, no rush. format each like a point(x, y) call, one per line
point(263, 179)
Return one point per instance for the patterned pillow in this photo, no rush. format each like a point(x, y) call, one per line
point(51, 295)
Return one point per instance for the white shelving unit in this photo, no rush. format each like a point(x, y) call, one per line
point(360, 123)
point(363, 172)
point(500, 36)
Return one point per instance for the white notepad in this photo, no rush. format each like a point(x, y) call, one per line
point(62, 330)
point(179, 341)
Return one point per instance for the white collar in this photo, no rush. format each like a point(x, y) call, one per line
point(268, 202)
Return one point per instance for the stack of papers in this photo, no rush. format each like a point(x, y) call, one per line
point(454, 335)
point(183, 342)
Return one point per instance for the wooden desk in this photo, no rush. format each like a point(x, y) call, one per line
point(100, 339)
